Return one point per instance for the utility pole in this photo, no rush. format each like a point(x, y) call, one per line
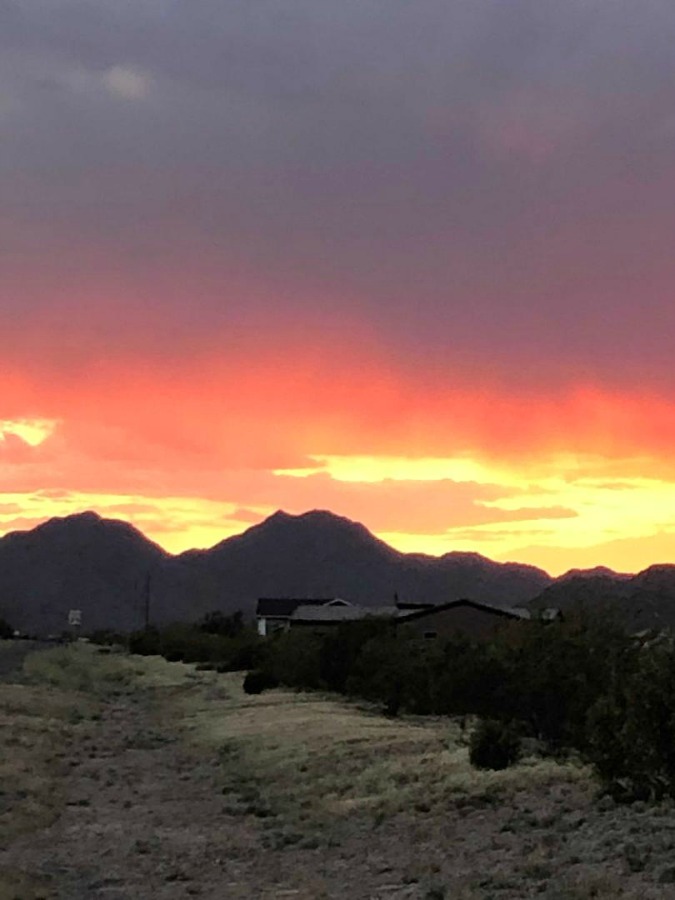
point(146, 599)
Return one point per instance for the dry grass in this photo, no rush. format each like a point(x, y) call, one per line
point(51, 707)
point(315, 773)
point(36, 725)
point(80, 667)
point(316, 759)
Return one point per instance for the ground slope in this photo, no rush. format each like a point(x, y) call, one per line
point(173, 783)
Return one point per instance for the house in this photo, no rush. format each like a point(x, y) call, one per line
point(466, 617)
point(274, 613)
point(321, 618)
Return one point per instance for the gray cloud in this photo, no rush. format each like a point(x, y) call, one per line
point(488, 184)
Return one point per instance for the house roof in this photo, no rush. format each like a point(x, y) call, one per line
point(505, 611)
point(311, 614)
point(412, 604)
point(283, 607)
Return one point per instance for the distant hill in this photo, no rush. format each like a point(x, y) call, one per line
point(320, 554)
point(101, 567)
point(596, 572)
point(645, 600)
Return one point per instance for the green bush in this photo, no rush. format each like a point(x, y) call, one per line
point(552, 674)
point(256, 682)
point(293, 657)
point(106, 637)
point(217, 622)
point(632, 726)
point(193, 644)
point(144, 643)
point(494, 745)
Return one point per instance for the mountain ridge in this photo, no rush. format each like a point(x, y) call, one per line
point(109, 569)
point(102, 566)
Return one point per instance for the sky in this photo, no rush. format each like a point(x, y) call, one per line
point(409, 262)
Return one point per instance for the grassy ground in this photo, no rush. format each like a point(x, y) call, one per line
point(51, 704)
point(128, 777)
point(317, 760)
point(37, 723)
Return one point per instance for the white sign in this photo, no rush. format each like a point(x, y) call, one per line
point(75, 617)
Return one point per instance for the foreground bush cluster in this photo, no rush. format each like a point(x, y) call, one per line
point(582, 685)
point(218, 641)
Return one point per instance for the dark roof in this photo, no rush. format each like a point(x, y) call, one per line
point(326, 613)
point(505, 611)
point(283, 607)
point(412, 604)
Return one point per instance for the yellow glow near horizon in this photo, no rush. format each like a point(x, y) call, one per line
point(371, 469)
point(610, 513)
point(623, 522)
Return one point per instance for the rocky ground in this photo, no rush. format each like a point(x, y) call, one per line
point(150, 811)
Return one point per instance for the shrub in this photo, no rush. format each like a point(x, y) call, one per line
point(217, 622)
point(632, 726)
point(494, 745)
point(106, 637)
point(468, 679)
point(144, 643)
point(293, 658)
point(340, 649)
point(552, 674)
point(6, 630)
point(256, 682)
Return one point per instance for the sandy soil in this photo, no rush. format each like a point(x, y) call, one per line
point(145, 816)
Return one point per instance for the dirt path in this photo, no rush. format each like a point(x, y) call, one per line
point(151, 814)
point(144, 818)
point(13, 653)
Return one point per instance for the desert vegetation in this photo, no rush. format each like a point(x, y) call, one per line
point(580, 686)
point(135, 775)
point(218, 641)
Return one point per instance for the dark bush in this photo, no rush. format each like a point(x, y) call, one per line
point(469, 678)
point(256, 682)
point(552, 674)
point(144, 643)
point(217, 622)
point(379, 673)
point(106, 637)
point(632, 726)
point(6, 630)
point(494, 745)
point(341, 647)
point(293, 658)
point(192, 644)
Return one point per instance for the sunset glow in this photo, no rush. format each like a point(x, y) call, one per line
point(410, 267)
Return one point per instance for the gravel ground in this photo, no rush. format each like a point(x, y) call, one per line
point(13, 653)
point(146, 817)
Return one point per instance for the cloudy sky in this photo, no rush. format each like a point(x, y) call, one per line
point(410, 262)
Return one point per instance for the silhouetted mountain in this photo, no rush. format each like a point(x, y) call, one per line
point(645, 600)
point(320, 554)
point(596, 572)
point(99, 566)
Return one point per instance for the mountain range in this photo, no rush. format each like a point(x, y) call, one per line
point(642, 601)
point(112, 573)
point(109, 570)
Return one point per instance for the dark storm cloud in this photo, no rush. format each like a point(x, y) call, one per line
point(487, 184)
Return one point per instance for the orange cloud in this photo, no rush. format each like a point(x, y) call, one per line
point(179, 451)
